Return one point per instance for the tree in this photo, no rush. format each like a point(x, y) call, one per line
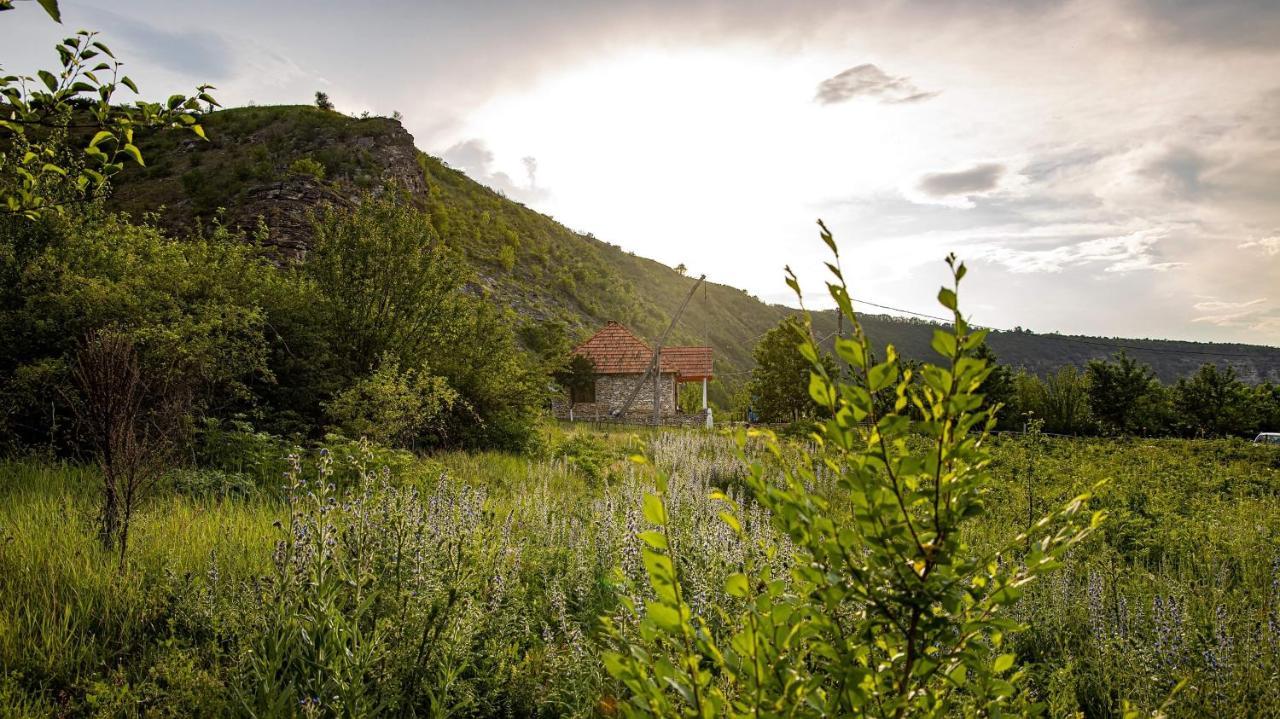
point(887, 609)
point(323, 102)
point(196, 311)
point(1212, 402)
point(578, 378)
point(130, 421)
point(681, 268)
point(1120, 394)
point(1061, 400)
point(998, 390)
point(779, 385)
point(64, 133)
point(388, 287)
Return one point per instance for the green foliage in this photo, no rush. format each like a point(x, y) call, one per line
point(194, 309)
point(576, 376)
point(1212, 403)
point(323, 102)
point(1123, 395)
point(46, 162)
point(390, 290)
point(307, 167)
point(887, 610)
point(394, 407)
point(779, 386)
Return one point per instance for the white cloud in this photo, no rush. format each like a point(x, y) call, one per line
point(1125, 253)
point(1269, 245)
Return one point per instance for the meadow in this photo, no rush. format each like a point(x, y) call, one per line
point(348, 581)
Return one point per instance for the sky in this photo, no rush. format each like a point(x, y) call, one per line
point(1108, 168)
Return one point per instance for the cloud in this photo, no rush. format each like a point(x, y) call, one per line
point(1269, 245)
point(979, 178)
point(1180, 171)
point(867, 80)
point(1221, 24)
point(476, 159)
point(1254, 314)
point(1124, 253)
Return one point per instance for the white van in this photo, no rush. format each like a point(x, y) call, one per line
point(1267, 438)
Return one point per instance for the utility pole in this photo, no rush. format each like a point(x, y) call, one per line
point(654, 361)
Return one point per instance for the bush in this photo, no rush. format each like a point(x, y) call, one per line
point(394, 407)
point(307, 167)
point(887, 610)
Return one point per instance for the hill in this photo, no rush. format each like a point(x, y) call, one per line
point(279, 163)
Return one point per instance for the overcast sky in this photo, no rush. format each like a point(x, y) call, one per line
point(1108, 168)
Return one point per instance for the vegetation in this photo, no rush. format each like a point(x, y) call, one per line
point(64, 133)
point(1122, 397)
point(1179, 583)
point(886, 610)
point(376, 326)
point(779, 386)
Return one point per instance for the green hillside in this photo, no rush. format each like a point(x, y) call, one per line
point(280, 162)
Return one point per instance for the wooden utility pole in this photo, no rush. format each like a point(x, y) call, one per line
point(653, 362)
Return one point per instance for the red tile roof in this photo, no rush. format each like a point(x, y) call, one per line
point(616, 350)
point(689, 363)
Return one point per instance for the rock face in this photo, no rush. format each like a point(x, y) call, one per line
point(273, 168)
point(287, 209)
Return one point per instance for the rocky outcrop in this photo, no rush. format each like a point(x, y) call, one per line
point(287, 210)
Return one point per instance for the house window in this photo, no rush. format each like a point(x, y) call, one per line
point(581, 395)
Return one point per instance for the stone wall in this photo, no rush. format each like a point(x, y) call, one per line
point(611, 393)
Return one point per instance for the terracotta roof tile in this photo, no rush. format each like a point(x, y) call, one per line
point(689, 363)
point(617, 350)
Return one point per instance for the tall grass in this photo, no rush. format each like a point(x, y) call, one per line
point(1183, 582)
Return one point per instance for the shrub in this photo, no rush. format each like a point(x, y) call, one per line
point(887, 610)
point(394, 407)
point(307, 167)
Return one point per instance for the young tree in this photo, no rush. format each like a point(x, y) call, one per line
point(323, 102)
point(394, 407)
point(779, 385)
point(64, 133)
point(1065, 403)
point(887, 610)
point(1120, 393)
point(390, 288)
point(131, 424)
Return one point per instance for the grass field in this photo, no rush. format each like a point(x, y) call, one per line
point(472, 584)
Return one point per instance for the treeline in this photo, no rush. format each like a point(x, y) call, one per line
point(1116, 396)
point(378, 333)
point(1122, 396)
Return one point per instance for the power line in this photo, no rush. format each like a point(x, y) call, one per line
point(1064, 338)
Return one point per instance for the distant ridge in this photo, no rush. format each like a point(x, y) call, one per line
point(280, 163)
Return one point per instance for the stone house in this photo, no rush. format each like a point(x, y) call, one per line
point(620, 359)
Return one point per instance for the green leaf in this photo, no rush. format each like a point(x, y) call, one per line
point(50, 80)
point(132, 151)
point(653, 510)
point(736, 585)
point(944, 343)
point(947, 298)
point(654, 539)
point(667, 618)
point(51, 7)
point(100, 137)
point(127, 82)
point(1002, 663)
